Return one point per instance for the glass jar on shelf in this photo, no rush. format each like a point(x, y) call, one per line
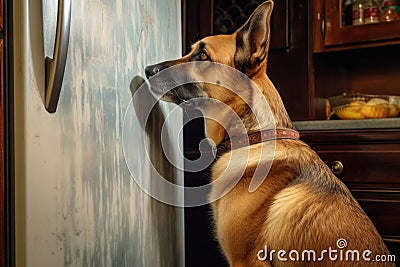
point(347, 13)
point(371, 12)
point(358, 12)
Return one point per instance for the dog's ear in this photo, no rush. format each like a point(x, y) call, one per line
point(252, 39)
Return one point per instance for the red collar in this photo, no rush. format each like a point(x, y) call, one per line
point(257, 137)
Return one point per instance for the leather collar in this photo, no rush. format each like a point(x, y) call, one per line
point(257, 137)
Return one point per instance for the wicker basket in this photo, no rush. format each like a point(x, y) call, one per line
point(352, 106)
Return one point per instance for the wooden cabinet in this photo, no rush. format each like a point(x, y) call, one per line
point(5, 258)
point(364, 59)
point(360, 58)
point(2, 181)
point(331, 35)
point(370, 169)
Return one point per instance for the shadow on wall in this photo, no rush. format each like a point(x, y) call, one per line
point(161, 214)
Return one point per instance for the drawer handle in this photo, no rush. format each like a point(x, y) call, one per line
point(337, 167)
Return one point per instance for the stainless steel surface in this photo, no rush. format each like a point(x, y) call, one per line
point(55, 66)
point(76, 202)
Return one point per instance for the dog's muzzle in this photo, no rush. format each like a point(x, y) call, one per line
point(154, 69)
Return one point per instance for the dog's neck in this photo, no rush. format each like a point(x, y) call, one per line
point(256, 138)
point(281, 117)
point(255, 118)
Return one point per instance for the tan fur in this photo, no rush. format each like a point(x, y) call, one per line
point(287, 217)
point(300, 205)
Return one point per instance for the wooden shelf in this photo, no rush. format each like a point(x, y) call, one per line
point(378, 32)
point(330, 35)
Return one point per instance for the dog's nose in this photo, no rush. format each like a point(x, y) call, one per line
point(154, 69)
point(151, 70)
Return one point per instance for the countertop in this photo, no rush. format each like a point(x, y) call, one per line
point(347, 124)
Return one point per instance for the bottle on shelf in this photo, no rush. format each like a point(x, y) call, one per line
point(347, 14)
point(358, 12)
point(371, 12)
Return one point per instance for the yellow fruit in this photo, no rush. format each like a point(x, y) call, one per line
point(393, 111)
point(356, 105)
point(375, 111)
point(377, 101)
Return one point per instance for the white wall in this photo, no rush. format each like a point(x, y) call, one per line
point(76, 204)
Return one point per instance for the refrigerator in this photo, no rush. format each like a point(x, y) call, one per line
point(76, 201)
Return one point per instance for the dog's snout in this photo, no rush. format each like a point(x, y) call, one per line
point(151, 70)
point(154, 69)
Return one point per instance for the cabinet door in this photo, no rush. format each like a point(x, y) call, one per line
point(328, 27)
point(2, 184)
point(371, 173)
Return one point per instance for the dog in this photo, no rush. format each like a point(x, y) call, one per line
point(300, 214)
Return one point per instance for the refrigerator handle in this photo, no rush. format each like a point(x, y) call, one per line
point(55, 66)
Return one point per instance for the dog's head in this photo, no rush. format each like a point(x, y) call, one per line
point(245, 50)
point(219, 76)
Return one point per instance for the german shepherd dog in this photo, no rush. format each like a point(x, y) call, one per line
point(300, 207)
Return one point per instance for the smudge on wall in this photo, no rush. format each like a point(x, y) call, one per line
point(78, 205)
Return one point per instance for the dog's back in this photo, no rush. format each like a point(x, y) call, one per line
point(301, 210)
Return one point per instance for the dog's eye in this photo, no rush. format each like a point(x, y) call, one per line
point(203, 56)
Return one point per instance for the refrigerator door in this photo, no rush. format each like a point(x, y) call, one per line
point(76, 202)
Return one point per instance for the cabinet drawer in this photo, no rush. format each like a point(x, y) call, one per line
point(372, 173)
point(383, 207)
point(365, 166)
point(394, 248)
